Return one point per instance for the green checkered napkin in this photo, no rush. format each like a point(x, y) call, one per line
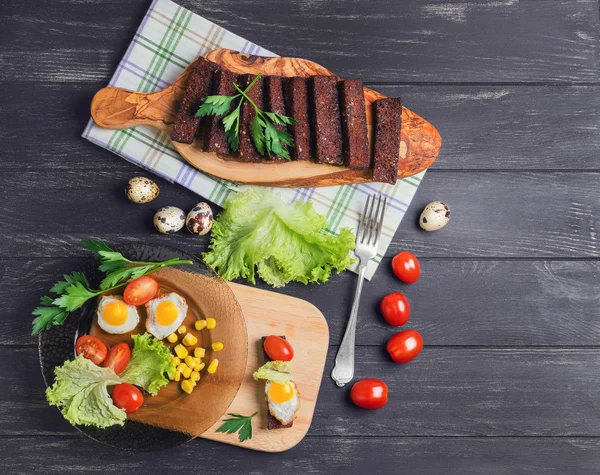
point(169, 38)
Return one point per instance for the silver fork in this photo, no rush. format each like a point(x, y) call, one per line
point(368, 235)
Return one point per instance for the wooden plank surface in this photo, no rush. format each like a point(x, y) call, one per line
point(508, 301)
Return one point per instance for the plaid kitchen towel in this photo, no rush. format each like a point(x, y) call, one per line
point(169, 38)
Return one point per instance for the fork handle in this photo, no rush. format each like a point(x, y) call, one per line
point(343, 371)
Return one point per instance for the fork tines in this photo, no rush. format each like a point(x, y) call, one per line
point(369, 228)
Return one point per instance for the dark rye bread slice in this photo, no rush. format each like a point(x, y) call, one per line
point(388, 125)
point(274, 102)
point(354, 124)
point(215, 140)
point(273, 423)
point(198, 87)
point(327, 120)
point(297, 107)
point(247, 151)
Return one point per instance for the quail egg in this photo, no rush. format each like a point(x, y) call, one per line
point(169, 219)
point(200, 219)
point(282, 400)
point(115, 316)
point(435, 216)
point(165, 314)
point(141, 190)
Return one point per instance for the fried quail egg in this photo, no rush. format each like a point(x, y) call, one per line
point(165, 314)
point(115, 316)
point(435, 216)
point(283, 401)
point(200, 219)
point(169, 219)
point(141, 190)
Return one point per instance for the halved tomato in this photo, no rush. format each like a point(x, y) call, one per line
point(91, 348)
point(118, 357)
point(140, 290)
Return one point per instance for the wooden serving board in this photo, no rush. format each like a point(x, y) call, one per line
point(117, 108)
point(270, 313)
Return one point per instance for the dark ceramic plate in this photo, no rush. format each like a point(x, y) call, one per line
point(58, 345)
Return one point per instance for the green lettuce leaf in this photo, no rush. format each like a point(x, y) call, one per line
point(150, 361)
point(279, 372)
point(258, 232)
point(80, 391)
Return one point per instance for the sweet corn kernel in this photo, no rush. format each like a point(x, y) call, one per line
point(187, 386)
point(177, 376)
point(181, 351)
point(195, 376)
point(217, 346)
point(200, 324)
point(181, 367)
point(172, 338)
point(200, 367)
point(212, 367)
point(175, 360)
point(189, 360)
point(199, 352)
point(211, 323)
point(189, 340)
point(186, 372)
point(197, 364)
point(181, 330)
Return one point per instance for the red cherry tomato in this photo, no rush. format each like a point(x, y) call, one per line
point(118, 357)
point(127, 397)
point(406, 267)
point(140, 290)
point(395, 309)
point(91, 348)
point(279, 349)
point(404, 346)
point(369, 393)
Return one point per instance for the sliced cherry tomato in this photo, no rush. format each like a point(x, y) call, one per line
point(369, 393)
point(91, 348)
point(404, 346)
point(278, 349)
point(406, 267)
point(127, 397)
point(118, 357)
point(395, 309)
point(140, 290)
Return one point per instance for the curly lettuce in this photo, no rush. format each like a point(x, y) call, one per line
point(279, 372)
point(150, 361)
point(258, 233)
point(81, 393)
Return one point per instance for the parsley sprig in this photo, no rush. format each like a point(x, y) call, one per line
point(267, 137)
point(74, 291)
point(240, 423)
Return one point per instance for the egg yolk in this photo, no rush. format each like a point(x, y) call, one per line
point(166, 313)
point(115, 313)
point(280, 393)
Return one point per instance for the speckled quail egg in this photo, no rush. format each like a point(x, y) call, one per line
point(200, 219)
point(141, 190)
point(435, 216)
point(169, 219)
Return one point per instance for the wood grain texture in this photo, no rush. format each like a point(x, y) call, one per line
point(510, 303)
point(412, 40)
point(116, 108)
point(540, 215)
point(444, 392)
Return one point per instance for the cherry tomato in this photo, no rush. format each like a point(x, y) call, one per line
point(395, 309)
point(369, 393)
point(406, 267)
point(91, 348)
point(127, 397)
point(140, 290)
point(118, 357)
point(278, 349)
point(404, 346)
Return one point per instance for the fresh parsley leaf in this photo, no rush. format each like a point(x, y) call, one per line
point(279, 119)
point(70, 279)
point(95, 246)
point(258, 135)
point(240, 423)
point(216, 105)
point(74, 296)
point(47, 317)
point(125, 274)
point(231, 124)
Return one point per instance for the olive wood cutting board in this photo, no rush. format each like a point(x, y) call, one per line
point(264, 313)
point(116, 108)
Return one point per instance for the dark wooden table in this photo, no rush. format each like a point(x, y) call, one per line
point(509, 299)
